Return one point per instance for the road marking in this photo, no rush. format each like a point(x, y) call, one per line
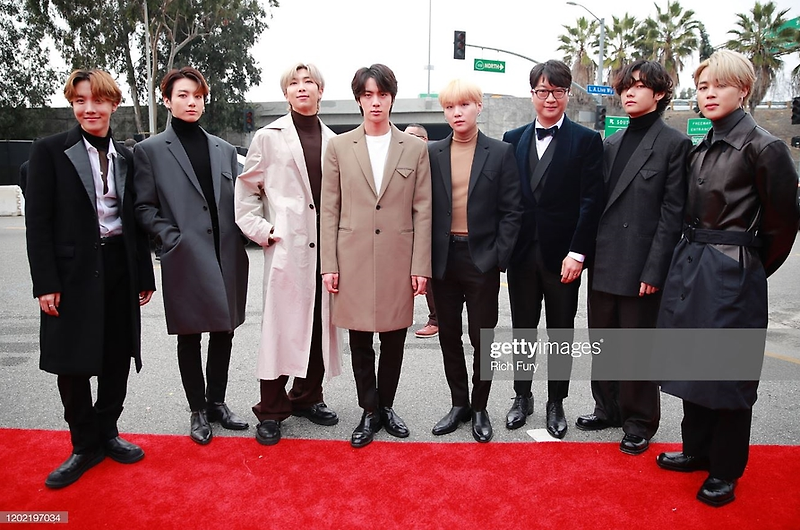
point(782, 357)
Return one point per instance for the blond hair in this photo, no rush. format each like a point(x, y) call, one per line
point(459, 91)
point(313, 73)
point(729, 68)
point(103, 85)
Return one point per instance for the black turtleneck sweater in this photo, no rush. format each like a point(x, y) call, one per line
point(632, 137)
point(195, 143)
point(98, 142)
point(723, 126)
point(310, 132)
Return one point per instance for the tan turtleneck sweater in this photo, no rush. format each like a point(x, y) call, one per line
point(461, 155)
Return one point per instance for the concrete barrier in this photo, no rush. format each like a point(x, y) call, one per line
point(11, 201)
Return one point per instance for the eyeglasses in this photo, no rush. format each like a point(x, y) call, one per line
point(558, 93)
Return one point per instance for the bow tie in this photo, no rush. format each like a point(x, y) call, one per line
point(544, 133)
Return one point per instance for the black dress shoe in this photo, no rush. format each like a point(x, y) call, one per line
point(481, 426)
point(393, 423)
point(221, 413)
point(73, 467)
point(366, 429)
point(451, 420)
point(633, 445)
point(681, 462)
point(268, 432)
point(318, 413)
point(556, 421)
point(200, 431)
point(123, 451)
point(590, 422)
point(717, 492)
point(519, 412)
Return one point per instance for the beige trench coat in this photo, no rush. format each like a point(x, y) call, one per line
point(375, 239)
point(275, 164)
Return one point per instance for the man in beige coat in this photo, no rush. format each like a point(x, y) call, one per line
point(376, 243)
point(277, 205)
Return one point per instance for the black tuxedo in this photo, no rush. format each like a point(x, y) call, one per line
point(562, 197)
point(469, 271)
point(98, 327)
point(638, 230)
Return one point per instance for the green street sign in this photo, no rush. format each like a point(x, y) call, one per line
point(697, 139)
point(429, 96)
point(616, 123)
point(698, 126)
point(792, 23)
point(489, 65)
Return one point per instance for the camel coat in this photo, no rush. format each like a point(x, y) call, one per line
point(273, 194)
point(375, 239)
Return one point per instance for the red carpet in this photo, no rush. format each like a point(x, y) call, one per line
point(236, 483)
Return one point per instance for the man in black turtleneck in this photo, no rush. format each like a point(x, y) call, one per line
point(277, 205)
point(645, 188)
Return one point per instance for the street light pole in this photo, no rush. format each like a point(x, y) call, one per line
point(601, 47)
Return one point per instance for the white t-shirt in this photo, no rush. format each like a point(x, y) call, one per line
point(378, 148)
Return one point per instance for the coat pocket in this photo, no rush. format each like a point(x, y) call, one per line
point(405, 172)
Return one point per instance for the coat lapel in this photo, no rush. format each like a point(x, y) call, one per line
point(558, 149)
point(77, 154)
point(362, 156)
point(523, 155)
point(392, 159)
point(174, 146)
point(478, 161)
point(120, 173)
point(445, 170)
point(636, 161)
point(215, 158)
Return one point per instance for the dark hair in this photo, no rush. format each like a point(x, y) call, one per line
point(557, 73)
point(187, 72)
point(383, 76)
point(652, 74)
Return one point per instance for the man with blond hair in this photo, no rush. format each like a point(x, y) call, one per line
point(476, 217)
point(277, 206)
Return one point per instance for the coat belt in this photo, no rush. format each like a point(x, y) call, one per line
point(721, 237)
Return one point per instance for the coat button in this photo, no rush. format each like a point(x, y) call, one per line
point(378, 231)
point(96, 246)
point(683, 297)
point(624, 225)
point(689, 259)
point(96, 274)
point(700, 181)
point(311, 206)
point(378, 207)
point(205, 208)
point(311, 245)
point(208, 231)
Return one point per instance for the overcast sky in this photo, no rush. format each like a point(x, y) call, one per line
point(340, 36)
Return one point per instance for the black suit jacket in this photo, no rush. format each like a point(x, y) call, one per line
point(494, 211)
point(63, 237)
point(571, 199)
point(641, 222)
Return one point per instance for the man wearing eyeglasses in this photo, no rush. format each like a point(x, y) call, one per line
point(560, 168)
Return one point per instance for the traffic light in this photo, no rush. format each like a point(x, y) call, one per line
point(600, 118)
point(249, 120)
point(796, 110)
point(460, 45)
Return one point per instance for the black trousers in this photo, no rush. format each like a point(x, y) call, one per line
point(722, 436)
point(374, 393)
point(634, 404)
point(529, 282)
point(276, 403)
point(190, 364)
point(90, 425)
point(464, 283)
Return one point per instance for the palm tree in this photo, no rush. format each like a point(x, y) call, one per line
point(762, 39)
point(621, 40)
point(670, 37)
point(574, 45)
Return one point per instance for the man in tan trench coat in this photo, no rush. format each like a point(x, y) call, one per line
point(277, 206)
point(376, 243)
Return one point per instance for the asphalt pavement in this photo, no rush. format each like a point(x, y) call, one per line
point(156, 402)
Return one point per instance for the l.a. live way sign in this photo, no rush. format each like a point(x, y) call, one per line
point(489, 65)
point(600, 89)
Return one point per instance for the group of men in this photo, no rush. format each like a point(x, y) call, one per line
point(354, 226)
